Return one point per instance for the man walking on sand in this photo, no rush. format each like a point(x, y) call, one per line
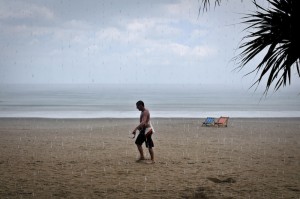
point(146, 131)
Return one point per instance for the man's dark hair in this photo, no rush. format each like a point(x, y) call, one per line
point(140, 103)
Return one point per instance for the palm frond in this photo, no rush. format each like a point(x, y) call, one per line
point(275, 31)
point(205, 5)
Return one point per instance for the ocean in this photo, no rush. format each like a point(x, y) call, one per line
point(118, 101)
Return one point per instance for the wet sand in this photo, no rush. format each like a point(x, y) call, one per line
point(96, 158)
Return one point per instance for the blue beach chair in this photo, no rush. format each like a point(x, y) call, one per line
point(209, 121)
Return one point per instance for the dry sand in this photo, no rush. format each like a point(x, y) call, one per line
point(96, 158)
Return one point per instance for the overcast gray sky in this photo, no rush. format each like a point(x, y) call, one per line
point(132, 41)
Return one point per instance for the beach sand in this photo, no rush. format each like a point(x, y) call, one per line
point(96, 158)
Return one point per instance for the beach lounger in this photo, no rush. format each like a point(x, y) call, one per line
point(222, 122)
point(209, 121)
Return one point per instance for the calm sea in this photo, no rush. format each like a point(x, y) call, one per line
point(118, 101)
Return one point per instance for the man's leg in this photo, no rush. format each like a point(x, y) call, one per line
point(140, 148)
point(151, 154)
point(150, 145)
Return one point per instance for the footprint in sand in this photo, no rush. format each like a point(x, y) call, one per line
point(227, 180)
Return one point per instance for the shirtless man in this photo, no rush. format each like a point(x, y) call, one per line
point(146, 131)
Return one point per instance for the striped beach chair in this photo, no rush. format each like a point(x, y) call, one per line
point(222, 122)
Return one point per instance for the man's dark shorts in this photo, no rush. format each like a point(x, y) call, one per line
point(141, 138)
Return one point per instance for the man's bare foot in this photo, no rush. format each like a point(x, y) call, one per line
point(151, 162)
point(140, 159)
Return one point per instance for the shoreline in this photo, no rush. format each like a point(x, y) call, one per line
point(134, 118)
